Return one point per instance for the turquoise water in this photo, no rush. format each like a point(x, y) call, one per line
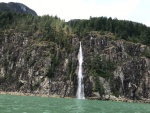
point(29, 104)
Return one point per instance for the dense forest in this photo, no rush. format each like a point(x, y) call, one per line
point(123, 29)
point(54, 26)
point(46, 28)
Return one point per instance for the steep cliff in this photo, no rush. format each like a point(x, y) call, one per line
point(110, 67)
point(119, 67)
point(40, 56)
point(33, 66)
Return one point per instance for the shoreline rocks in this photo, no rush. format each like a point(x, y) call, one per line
point(119, 99)
point(29, 94)
point(106, 98)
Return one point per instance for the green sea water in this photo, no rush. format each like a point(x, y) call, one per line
point(31, 104)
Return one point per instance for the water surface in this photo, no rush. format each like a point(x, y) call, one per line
point(31, 104)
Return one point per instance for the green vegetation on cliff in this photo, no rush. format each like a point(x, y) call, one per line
point(33, 39)
point(53, 28)
point(39, 54)
point(123, 29)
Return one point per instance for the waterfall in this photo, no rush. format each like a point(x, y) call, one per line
point(80, 90)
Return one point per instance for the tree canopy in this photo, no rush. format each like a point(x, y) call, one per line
point(123, 29)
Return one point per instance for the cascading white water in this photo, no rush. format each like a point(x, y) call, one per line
point(80, 90)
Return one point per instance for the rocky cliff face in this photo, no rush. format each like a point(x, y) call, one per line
point(110, 67)
point(129, 76)
point(25, 64)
